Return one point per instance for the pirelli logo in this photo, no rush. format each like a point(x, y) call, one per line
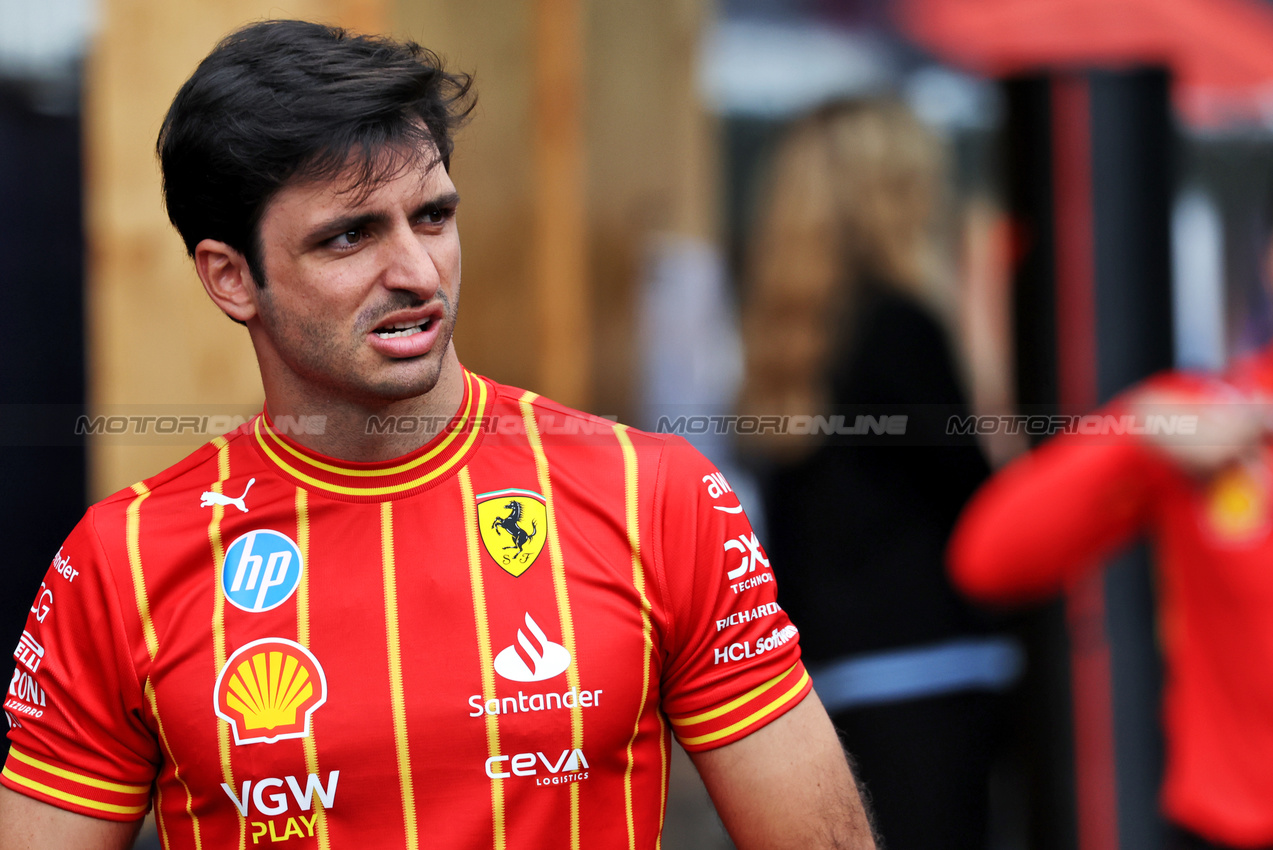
point(29, 652)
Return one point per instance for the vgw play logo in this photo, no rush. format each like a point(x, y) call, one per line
point(262, 569)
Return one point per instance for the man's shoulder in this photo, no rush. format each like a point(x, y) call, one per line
point(586, 438)
point(552, 418)
point(199, 469)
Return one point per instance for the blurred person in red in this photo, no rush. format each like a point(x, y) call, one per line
point(1183, 459)
point(846, 312)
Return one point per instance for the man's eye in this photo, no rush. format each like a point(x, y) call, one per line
point(349, 237)
point(437, 215)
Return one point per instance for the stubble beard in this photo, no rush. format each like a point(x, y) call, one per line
point(315, 356)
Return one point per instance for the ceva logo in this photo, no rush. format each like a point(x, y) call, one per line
point(268, 689)
point(262, 569)
point(571, 761)
point(537, 661)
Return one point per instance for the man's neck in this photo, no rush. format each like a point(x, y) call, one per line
point(345, 433)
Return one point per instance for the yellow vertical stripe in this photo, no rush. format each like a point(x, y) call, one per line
point(159, 816)
point(563, 597)
point(485, 655)
point(132, 533)
point(396, 694)
point(309, 744)
point(218, 615)
point(176, 771)
point(302, 589)
point(132, 539)
point(632, 521)
point(665, 740)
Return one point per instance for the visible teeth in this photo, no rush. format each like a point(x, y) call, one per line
point(410, 330)
point(404, 329)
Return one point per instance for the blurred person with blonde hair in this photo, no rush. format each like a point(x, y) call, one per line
point(844, 317)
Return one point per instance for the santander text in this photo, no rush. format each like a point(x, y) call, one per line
point(533, 702)
point(63, 566)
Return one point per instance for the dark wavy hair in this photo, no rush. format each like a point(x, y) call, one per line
point(283, 101)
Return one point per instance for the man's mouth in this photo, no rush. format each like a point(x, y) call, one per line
point(405, 328)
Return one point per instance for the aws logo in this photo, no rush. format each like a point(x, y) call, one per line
point(268, 689)
point(514, 527)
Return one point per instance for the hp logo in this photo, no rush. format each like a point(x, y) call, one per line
point(262, 569)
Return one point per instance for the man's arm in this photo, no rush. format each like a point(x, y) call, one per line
point(1051, 516)
point(1064, 507)
point(787, 785)
point(27, 824)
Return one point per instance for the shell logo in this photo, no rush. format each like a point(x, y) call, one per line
point(268, 689)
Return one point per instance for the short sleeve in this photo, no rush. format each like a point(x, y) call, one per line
point(75, 710)
point(732, 664)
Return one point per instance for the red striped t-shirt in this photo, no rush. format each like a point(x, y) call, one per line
point(485, 643)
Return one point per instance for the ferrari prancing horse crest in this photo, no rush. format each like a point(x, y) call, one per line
point(514, 526)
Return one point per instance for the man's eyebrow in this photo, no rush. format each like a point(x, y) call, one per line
point(447, 200)
point(336, 226)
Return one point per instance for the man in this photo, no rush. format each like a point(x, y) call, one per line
point(445, 613)
point(1197, 480)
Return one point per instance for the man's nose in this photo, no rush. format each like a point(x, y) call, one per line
point(409, 264)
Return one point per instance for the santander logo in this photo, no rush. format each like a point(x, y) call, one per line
point(533, 663)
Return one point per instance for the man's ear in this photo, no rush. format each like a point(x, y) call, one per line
point(226, 278)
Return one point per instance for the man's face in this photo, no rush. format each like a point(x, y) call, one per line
point(361, 288)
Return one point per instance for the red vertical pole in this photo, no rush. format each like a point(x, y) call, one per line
point(1094, 769)
point(1075, 248)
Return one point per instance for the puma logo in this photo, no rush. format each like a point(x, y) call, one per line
point(211, 498)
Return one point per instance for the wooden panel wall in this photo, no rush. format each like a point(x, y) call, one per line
point(648, 160)
point(587, 139)
point(154, 337)
point(653, 158)
point(498, 333)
